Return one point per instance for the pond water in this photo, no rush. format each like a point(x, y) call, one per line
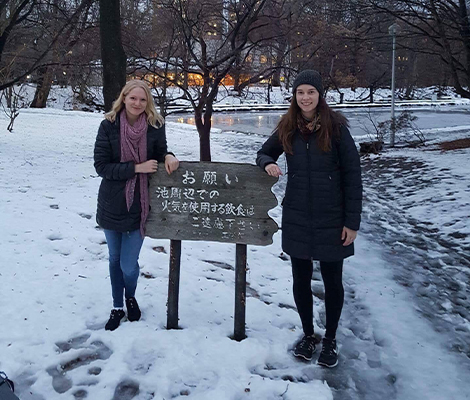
point(361, 120)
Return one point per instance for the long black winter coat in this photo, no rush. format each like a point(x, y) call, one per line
point(323, 194)
point(112, 210)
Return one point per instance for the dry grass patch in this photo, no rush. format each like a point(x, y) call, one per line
point(455, 144)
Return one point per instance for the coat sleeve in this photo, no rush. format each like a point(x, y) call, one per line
point(103, 156)
point(160, 149)
point(270, 151)
point(350, 179)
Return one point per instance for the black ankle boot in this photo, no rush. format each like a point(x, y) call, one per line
point(114, 319)
point(133, 310)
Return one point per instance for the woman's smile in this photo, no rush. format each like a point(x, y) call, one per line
point(307, 99)
point(135, 103)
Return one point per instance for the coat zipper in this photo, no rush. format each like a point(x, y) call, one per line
point(309, 191)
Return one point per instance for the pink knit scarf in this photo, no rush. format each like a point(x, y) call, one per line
point(134, 148)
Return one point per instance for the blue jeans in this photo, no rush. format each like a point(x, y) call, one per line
point(124, 249)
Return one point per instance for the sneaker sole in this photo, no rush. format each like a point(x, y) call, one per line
point(302, 356)
point(327, 365)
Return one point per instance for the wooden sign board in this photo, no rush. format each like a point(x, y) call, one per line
point(219, 202)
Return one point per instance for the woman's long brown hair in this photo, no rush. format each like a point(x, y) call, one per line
point(330, 123)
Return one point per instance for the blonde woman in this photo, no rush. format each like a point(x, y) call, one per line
point(130, 144)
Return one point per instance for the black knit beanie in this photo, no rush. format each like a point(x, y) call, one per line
point(309, 77)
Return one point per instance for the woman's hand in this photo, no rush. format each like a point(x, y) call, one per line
point(273, 170)
point(171, 163)
point(348, 235)
point(147, 167)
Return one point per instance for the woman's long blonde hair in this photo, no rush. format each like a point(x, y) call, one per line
point(152, 115)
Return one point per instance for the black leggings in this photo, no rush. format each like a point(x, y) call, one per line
point(332, 274)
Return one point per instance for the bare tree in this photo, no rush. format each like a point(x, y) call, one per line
point(28, 49)
point(12, 100)
point(435, 27)
point(60, 60)
point(208, 38)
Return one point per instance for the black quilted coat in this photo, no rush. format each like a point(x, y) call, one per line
point(112, 210)
point(323, 194)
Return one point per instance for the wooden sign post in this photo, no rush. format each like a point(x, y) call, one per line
point(221, 202)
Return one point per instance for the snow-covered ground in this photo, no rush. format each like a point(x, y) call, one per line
point(405, 328)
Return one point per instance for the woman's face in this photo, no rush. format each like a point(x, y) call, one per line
point(307, 99)
point(135, 102)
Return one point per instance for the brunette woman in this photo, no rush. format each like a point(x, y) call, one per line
point(322, 204)
point(131, 142)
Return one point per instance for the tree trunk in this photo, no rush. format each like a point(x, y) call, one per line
point(236, 75)
point(43, 88)
point(276, 77)
point(204, 130)
point(236, 81)
point(464, 23)
point(82, 92)
point(12, 121)
point(185, 70)
point(162, 100)
point(46, 74)
point(112, 53)
point(9, 95)
point(411, 75)
point(287, 76)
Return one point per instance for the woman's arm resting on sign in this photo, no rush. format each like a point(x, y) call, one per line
point(269, 152)
point(171, 163)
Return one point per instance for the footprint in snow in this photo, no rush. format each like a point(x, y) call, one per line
point(55, 236)
point(126, 390)
point(87, 354)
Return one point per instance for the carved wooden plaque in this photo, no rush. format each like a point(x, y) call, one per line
point(219, 202)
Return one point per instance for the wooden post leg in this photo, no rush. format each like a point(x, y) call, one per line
point(174, 284)
point(240, 292)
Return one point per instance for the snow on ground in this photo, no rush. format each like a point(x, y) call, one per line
point(420, 206)
point(56, 296)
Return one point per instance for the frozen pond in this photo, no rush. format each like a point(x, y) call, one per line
point(263, 123)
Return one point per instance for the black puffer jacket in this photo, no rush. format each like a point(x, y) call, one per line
point(112, 209)
point(323, 194)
